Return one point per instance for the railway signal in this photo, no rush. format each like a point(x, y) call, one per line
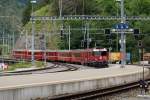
point(108, 33)
point(110, 41)
point(82, 43)
point(143, 85)
point(136, 33)
point(140, 43)
point(61, 31)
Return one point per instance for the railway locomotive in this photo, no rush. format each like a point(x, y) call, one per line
point(93, 57)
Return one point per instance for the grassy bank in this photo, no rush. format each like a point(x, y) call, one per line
point(25, 64)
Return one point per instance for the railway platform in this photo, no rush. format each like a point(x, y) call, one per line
point(27, 87)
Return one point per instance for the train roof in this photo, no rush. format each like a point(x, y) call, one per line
point(93, 49)
point(102, 49)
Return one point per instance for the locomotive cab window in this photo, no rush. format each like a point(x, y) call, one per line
point(104, 53)
point(96, 53)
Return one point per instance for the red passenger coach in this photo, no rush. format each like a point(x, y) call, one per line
point(20, 54)
point(26, 54)
point(51, 55)
point(78, 56)
point(94, 57)
point(64, 55)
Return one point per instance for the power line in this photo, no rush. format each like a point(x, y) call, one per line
point(5, 16)
point(87, 17)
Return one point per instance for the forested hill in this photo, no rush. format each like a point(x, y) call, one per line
point(13, 10)
point(92, 7)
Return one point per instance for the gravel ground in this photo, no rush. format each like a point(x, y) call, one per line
point(126, 95)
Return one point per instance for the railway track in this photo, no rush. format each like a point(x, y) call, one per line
point(9, 60)
point(56, 67)
point(98, 93)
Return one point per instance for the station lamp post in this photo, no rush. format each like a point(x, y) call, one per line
point(123, 37)
point(122, 26)
point(117, 46)
point(32, 59)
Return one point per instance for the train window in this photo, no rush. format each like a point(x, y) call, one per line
point(77, 54)
point(96, 53)
point(36, 53)
point(65, 55)
point(103, 53)
point(29, 53)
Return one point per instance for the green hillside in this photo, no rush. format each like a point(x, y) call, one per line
point(93, 7)
point(10, 23)
point(48, 28)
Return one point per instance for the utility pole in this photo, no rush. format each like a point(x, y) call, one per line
point(12, 36)
point(3, 43)
point(3, 48)
point(69, 37)
point(88, 36)
point(110, 55)
point(60, 8)
point(45, 31)
point(9, 44)
point(26, 32)
point(123, 37)
point(84, 37)
point(13, 41)
point(8, 38)
point(117, 47)
point(32, 58)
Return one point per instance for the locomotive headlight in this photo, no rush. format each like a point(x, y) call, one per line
point(100, 57)
point(95, 50)
point(95, 59)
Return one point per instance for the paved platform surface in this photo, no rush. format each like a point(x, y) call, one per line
point(13, 82)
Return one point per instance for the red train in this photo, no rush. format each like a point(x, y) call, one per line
point(95, 57)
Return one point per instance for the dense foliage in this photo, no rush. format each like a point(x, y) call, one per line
point(102, 8)
point(10, 22)
point(13, 10)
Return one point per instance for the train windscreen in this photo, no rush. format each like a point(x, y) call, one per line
point(96, 53)
point(103, 53)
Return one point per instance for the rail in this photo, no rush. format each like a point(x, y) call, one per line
point(48, 69)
